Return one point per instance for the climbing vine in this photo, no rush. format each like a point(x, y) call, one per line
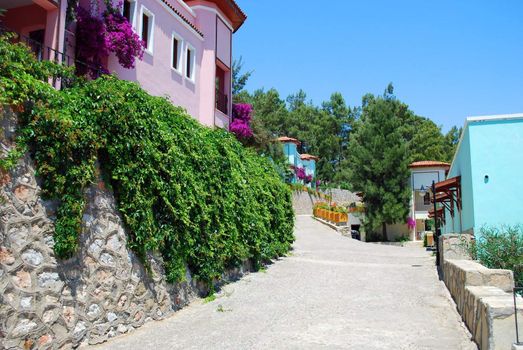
point(191, 193)
point(99, 35)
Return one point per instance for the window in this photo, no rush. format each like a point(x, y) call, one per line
point(222, 100)
point(426, 199)
point(190, 61)
point(176, 58)
point(146, 30)
point(128, 10)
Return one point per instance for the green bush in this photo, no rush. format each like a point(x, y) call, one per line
point(501, 248)
point(192, 193)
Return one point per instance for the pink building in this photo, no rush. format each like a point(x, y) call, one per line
point(188, 55)
point(41, 22)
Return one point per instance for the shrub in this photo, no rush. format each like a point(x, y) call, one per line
point(191, 193)
point(501, 248)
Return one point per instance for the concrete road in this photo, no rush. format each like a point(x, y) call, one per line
point(332, 292)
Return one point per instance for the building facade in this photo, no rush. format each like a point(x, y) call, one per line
point(188, 54)
point(483, 186)
point(422, 175)
point(40, 22)
point(299, 162)
point(188, 46)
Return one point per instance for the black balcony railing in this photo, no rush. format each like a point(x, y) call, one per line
point(47, 53)
point(222, 101)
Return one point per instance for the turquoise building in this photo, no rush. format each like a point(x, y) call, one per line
point(484, 186)
point(299, 161)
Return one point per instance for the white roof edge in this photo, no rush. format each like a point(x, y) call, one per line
point(495, 117)
point(478, 119)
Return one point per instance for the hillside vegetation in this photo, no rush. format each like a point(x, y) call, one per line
point(191, 193)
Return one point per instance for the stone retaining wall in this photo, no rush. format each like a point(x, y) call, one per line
point(483, 296)
point(302, 202)
point(48, 303)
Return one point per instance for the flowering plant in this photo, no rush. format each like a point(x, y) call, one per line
point(99, 36)
point(308, 179)
point(411, 223)
point(241, 123)
point(90, 47)
point(300, 173)
point(122, 40)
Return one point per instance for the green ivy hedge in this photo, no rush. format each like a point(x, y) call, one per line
point(192, 193)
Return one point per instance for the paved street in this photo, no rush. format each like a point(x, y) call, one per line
point(332, 292)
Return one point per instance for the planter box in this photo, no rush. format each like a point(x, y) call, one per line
point(332, 216)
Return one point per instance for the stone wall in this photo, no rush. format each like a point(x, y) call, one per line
point(343, 196)
point(302, 202)
point(48, 303)
point(455, 246)
point(483, 296)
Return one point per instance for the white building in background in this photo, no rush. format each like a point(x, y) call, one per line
point(423, 173)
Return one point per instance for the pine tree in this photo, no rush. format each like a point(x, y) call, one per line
point(378, 159)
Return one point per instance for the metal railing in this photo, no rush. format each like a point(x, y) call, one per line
point(222, 102)
point(516, 292)
point(46, 53)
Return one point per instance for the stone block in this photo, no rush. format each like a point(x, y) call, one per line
point(459, 274)
point(473, 295)
point(496, 330)
point(454, 246)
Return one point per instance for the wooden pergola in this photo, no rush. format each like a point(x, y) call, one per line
point(448, 193)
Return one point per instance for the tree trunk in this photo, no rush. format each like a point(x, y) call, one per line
point(384, 232)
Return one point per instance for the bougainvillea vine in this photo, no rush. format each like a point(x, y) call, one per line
point(241, 123)
point(300, 173)
point(98, 36)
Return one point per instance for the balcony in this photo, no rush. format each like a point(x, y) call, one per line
point(222, 102)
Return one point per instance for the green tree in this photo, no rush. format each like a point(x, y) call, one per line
point(451, 141)
point(425, 140)
point(239, 78)
point(297, 100)
point(378, 161)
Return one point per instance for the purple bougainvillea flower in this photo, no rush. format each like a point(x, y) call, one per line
point(300, 173)
point(122, 40)
point(98, 36)
point(242, 111)
point(241, 129)
point(241, 123)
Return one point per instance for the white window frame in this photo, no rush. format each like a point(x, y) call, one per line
point(192, 76)
point(133, 12)
point(150, 41)
point(180, 49)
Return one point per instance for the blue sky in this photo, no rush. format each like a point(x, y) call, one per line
point(447, 59)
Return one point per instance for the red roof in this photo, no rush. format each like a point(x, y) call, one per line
point(429, 164)
point(288, 139)
point(186, 20)
point(231, 9)
point(309, 157)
